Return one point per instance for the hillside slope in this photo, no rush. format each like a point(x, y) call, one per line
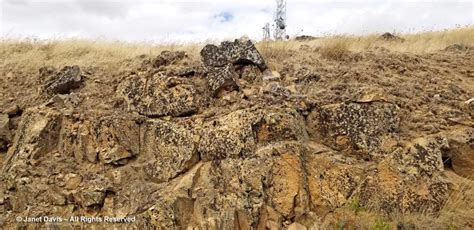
point(345, 132)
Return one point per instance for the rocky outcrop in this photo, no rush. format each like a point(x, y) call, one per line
point(67, 79)
point(228, 145)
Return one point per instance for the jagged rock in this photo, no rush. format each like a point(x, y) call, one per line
point(5, 135)
point(157, 96)
point(110, 139)
point(168, 148)
point(221, 78)
point(67, 79)
point(168, 57)
point(241, 51)
point(250, 73)
point(37, 135)
point(367, 129)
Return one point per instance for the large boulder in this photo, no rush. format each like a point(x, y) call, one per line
point(160, 96)
point(240, 51)
point(67, 79)
point(222, 60)
point(366, 129)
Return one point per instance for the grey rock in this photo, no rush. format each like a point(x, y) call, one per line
point(241, 51)
point(67, 79)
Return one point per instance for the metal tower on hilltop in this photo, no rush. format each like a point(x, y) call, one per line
point(266, 32)
point(280, 20)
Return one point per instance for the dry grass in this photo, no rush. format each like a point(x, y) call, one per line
point(30, 55)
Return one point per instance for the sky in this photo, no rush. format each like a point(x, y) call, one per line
point(194, 21)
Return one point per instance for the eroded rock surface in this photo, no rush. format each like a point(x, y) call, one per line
point(226, 144)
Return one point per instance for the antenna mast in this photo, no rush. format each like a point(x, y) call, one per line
point(280, 20)
point(266, 32)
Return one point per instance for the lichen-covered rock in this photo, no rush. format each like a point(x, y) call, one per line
point(367, 129)
point(5, 135)
point(67, 79)
point(230, 136)
point(168, 149)
point(386, 189)
point(88, 198)
point(423, 156)
point(241, 51)
point(159, 96)
point(221, 78)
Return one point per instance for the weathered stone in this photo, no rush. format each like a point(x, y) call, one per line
point(367, 129)
point(67, 79)
point(230, 136)
point(168, 57)
point(287, 186)
point(221, 78)
point(331, 180)
point(296, 226)
point(5, 135)
point(37, 135)
point(158, 96)
point(423, 156)
point(13, 111)
point(88, 198)
point(461, 152)
point(168, 149)
point(241, 51)
point(389, 190)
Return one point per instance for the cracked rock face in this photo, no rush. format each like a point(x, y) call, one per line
point(222, 60)
point(222, 145)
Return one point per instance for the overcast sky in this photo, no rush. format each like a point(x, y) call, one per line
point(183, 21)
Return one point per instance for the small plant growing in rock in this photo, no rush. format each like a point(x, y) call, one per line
point(381, 224)
point(354, 205)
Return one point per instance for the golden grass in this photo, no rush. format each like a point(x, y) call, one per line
point(30, 55)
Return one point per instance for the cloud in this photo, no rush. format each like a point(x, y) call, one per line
point(184, 21)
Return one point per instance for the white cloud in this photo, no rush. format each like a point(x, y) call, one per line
point(175, 21)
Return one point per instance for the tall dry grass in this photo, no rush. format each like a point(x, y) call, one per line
point(29, 55)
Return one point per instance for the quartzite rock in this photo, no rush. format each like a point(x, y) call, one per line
point(168, 149)
point(221, 78)
point(159, 96)
point(67, 79)
point(369, 129)
point(241, 51)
